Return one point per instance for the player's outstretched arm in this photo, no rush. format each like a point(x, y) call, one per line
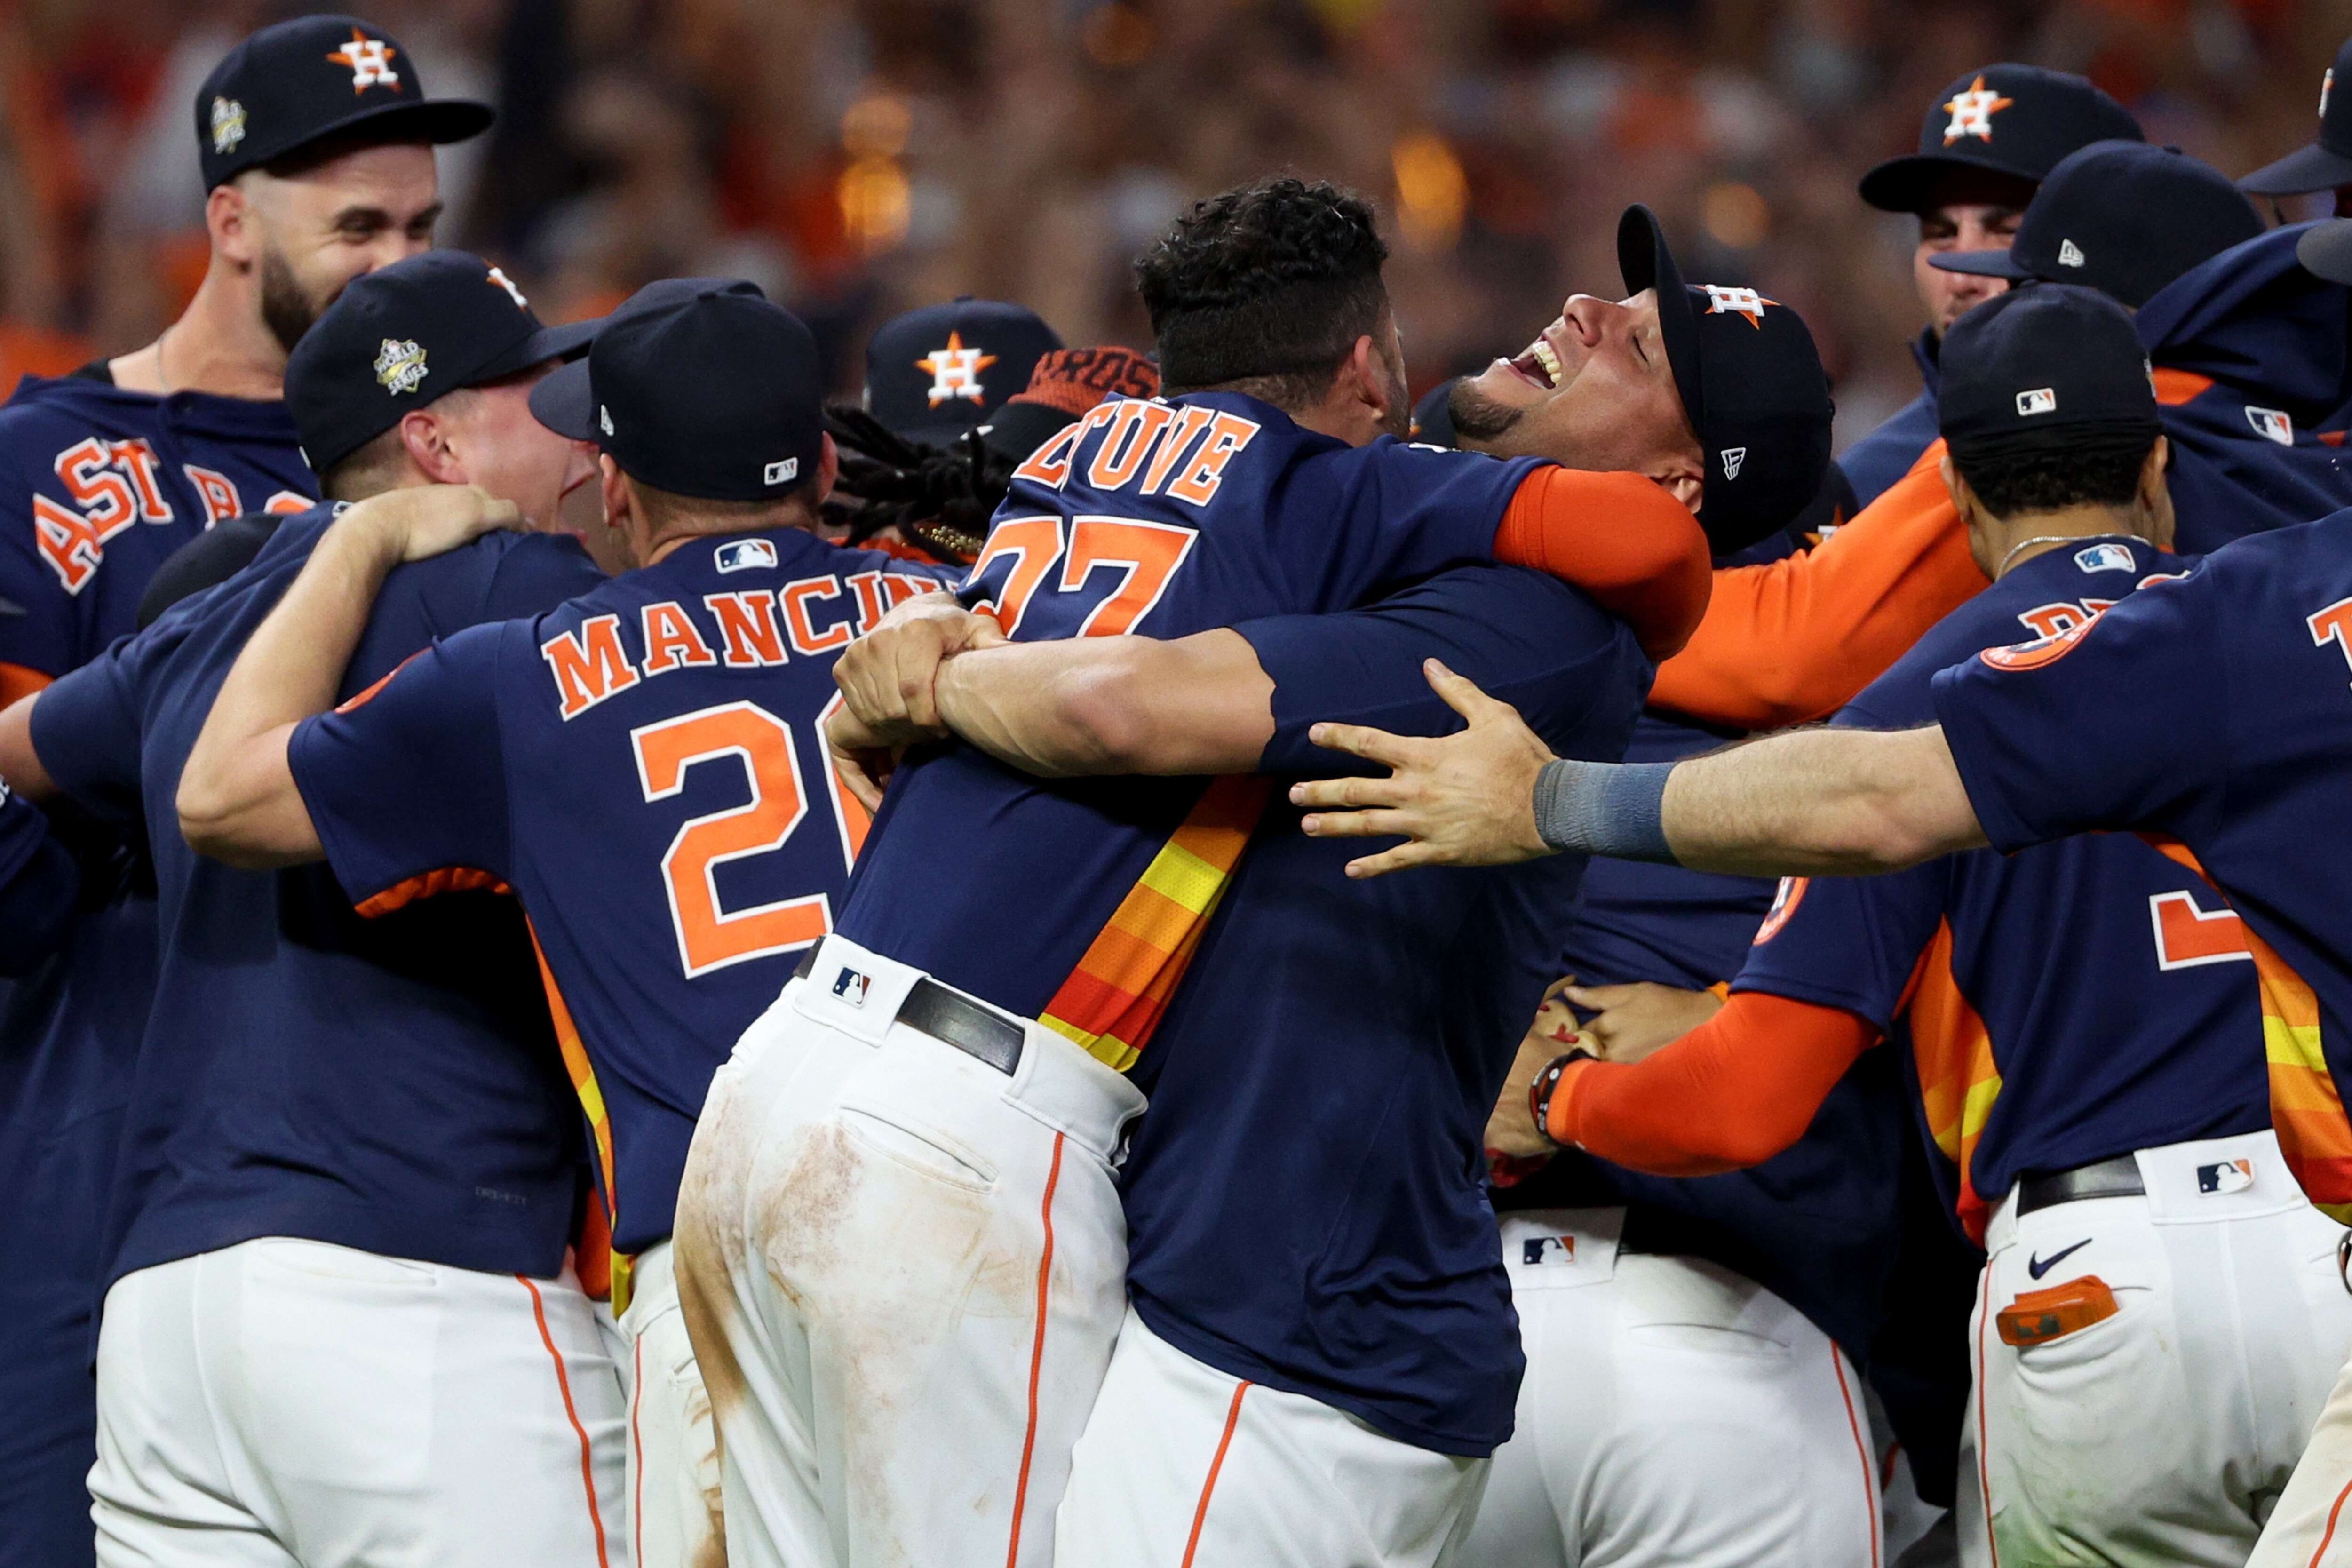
point(237, 800)
point(1811, 803)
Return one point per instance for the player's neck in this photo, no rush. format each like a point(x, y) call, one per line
point(2002, 545)
point(219, 345)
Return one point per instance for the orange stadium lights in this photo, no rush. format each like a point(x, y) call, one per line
point(1432, 192)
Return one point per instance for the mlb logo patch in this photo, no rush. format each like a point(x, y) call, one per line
point(2041, 400)
point(1544, 1249)
point(851, 986)
point(2228, 1176)
point(2272, 425)
point(783, 470)
point(745, 555)
point(2106, 558)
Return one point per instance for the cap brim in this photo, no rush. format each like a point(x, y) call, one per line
point(565, 343)
point(565, 403)
point(1021, 427)
point(1645, 262)
point(1982, 263)
point(1905, 185)
point(439, 120)
point(2300, 174)
point(2326, 250)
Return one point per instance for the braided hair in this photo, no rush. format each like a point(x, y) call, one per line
point(938, 498)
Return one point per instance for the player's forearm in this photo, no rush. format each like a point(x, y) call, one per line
point(1619, 537)
point(237, 801)
point(1819, 802)
point(1733, 1092)
point(20, 764)
point(1093, 706)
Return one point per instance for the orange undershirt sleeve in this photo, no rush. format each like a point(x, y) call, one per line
point(17, 682)
point(1797, 639)
point(1621, 538)
point(1732, 1093)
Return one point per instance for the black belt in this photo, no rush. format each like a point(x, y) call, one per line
point(955, 1020)
point(2116, 1178)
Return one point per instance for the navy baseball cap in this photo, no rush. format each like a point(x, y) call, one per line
point(2044, 367)
point(404, 335)
point(2324, 164)
point(302, 81)
point(2122, 217)
point(1751, 384)
point(933, 373)
point(698, 386)
point(2012, 120)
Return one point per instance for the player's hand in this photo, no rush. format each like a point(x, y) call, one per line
point(864, 762)
point(1629, 1022)
point(1511, 1131)
point(429, 519)
point(887, 676)
point(1465, 800)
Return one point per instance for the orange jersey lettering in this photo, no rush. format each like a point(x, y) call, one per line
point(747, 621)
point(590, 666)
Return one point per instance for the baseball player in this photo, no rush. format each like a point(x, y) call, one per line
point(934, 372)
point(2071, 731)
point(1987, 142)
point(1102, 970)
point(2080, 1019)
point(641, 765)
point(2239, 337)
point(349, 1170)
point(316, 142)
point(2324, 164)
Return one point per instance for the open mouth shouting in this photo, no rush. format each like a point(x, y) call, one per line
point(1539, 366)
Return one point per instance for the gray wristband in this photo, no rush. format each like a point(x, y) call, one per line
point(1604, 808)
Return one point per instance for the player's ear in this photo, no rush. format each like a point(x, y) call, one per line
point(613, 487)
point(232, 223)
point(1964, 499)
point(425, 440)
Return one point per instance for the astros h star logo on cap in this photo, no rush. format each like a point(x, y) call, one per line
point(1972, 112)
point(370, 62)
point(955, 371)
point(1748, 302)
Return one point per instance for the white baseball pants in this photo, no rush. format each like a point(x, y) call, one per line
point(1672, 1413)
point(284, 1403)
point(1183, 1466)
point(903, 1271)
point(2165, 1432)
point(672, 1481)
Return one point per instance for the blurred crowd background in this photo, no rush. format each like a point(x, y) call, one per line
point(860, 157)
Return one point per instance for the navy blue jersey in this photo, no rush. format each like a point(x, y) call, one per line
point(646, 768)
point(390, 1089)
point(101, 484)
point(2215, 714)
point(1873, 463)
point(1163, 519)
point(97, 486)
point(1305, 1193)
point(2060, 1006)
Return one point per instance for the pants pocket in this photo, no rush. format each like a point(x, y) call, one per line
point(920, 1147)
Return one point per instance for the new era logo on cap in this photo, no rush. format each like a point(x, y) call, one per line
point(2069, 254)
point(1732, 458)
point(2041, 400)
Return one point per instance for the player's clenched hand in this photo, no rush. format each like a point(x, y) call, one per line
point(887, 676)
point(1629, 1022)
point(1511, 1130)
point(429, 520)
point(861, 760)
point(1465, 800)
